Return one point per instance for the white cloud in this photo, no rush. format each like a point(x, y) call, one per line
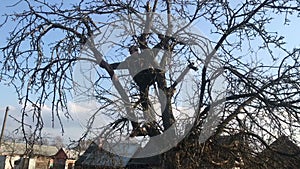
point(46, 108)
point(10, 107)
point(82, 107)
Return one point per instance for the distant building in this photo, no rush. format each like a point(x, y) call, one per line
point(12, 156)
point(58, 160)
point(43, 157)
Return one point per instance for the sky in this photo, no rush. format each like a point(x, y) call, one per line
point(74, 128)
point(8, 97)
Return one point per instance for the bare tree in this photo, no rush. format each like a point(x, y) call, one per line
point(262, 99)
point(58, 142)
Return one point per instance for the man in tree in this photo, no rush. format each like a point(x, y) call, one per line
point(145, 72)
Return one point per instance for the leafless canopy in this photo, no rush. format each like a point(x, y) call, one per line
point(261, 72)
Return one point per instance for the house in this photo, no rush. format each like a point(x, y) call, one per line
point(43, 157)
point(98, 157)
point(63, 159)
point(58, 160)
point(12, 156)
point(282, 153)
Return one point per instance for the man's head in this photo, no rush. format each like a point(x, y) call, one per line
point(133, 49)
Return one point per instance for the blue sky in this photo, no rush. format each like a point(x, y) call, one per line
point(73, 128)
point(8, 97)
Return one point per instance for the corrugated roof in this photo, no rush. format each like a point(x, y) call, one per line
point(99, 156)
point(10, 148)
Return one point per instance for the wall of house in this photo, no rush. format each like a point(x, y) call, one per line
point(34, 163)
point(42, 162)
point(10, 160)
point(37, 162)
point(59, 159)
point(25, 161)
